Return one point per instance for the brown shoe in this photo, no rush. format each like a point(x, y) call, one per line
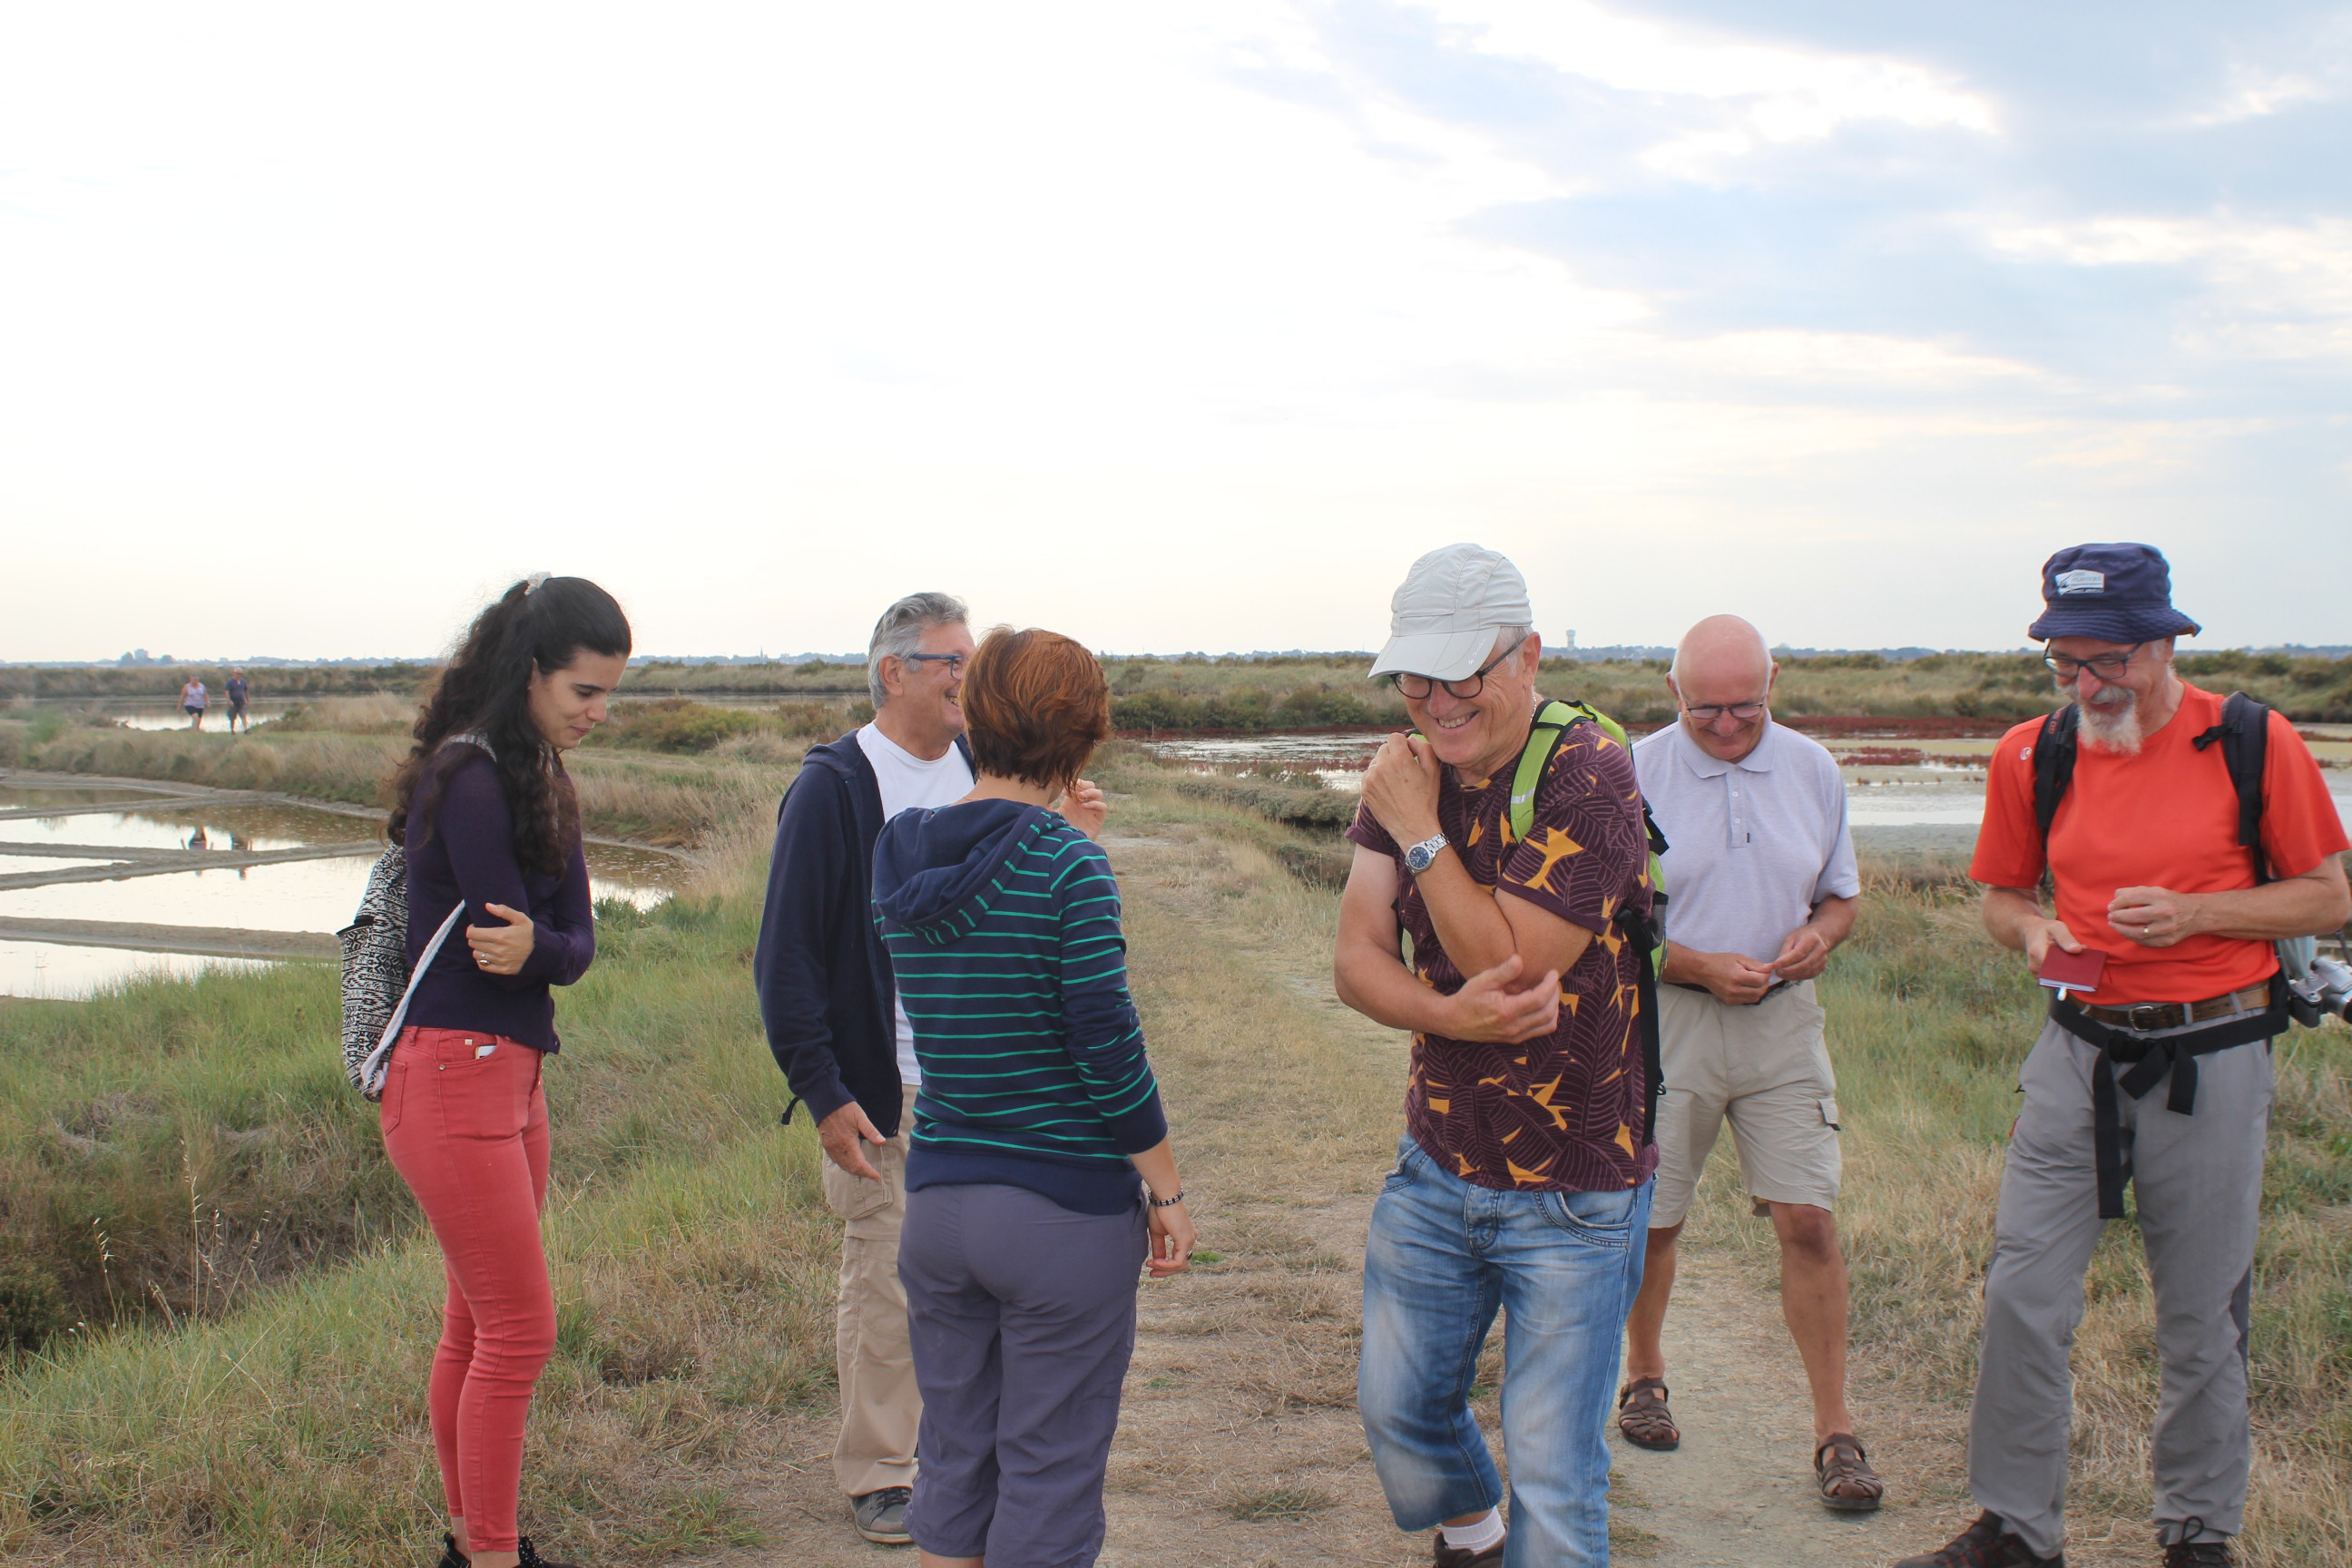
point(1461, 1557)
point(1644, 1418)
point(1842, 1473)
point(1984, 1544)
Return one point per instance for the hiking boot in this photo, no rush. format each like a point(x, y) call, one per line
point(1463, 1557)
point(2195, 1549)
point(1984, 1544)
point(882, 1516)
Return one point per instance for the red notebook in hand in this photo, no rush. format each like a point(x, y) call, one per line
point(2064, 972)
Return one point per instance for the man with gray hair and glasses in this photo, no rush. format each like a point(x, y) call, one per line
point(836, 1024)
point(1523, 1179)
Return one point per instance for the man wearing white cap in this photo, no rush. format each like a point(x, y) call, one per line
point(1523, 1179)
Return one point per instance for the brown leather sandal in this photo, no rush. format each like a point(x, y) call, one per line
point(1642, 1416)
point(1847, 1481)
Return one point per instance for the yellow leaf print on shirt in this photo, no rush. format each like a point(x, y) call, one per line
point(1557, 846)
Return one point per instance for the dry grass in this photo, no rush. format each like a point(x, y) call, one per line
point(695, 1303)
point(372, 713)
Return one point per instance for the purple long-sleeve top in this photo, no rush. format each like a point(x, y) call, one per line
point(462, 846)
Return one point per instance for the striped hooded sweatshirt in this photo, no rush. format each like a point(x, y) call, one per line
point(1002, 925)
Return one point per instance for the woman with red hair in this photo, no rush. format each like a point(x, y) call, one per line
point(1026, 1218)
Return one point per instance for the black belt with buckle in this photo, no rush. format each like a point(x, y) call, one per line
point(2151, 1059)
point(2146, 1015)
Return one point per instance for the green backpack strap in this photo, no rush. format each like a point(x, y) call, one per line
point(1553, 720)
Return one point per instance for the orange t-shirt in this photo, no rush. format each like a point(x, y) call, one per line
point(2166, 817)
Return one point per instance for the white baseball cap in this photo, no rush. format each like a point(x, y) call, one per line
point(1443, 618)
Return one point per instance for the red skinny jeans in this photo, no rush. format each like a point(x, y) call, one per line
point(465, 1122)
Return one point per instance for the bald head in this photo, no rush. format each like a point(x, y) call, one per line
point(1723, 664)
point(1723, 649)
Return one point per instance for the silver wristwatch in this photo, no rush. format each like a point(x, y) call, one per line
point(1423, 855)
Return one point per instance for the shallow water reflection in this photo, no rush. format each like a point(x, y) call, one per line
point(315, 895)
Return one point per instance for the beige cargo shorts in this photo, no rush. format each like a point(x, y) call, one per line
point(1766, 1069)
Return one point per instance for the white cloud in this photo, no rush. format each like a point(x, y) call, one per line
point(1787, 94)
point(314, 322)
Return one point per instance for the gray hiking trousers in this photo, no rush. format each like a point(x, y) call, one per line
point(2197, 1181)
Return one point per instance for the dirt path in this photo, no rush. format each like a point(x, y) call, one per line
point(1239, 1443)
point(1740, 1491)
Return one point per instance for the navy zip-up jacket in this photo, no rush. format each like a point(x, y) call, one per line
point(825, 991)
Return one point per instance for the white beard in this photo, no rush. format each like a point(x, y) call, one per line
point(2114, 726)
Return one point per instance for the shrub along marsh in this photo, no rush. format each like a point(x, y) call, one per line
point(1295, 691)
point(184, 1174)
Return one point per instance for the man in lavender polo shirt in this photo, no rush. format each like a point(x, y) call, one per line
point(1763, 885)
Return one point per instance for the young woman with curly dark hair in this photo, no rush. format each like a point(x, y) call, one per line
point(488, 814)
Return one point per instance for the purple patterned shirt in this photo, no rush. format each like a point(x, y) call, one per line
point(1562, 1113)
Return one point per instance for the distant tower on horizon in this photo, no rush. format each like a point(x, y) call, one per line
point(1571, 637)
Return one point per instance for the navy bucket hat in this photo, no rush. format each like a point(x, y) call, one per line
point(2115, 593)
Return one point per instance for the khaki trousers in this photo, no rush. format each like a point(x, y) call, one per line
point(880, 1408)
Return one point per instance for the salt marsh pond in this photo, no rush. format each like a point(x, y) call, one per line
point(103, 880)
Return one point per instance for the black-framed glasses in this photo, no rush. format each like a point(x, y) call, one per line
point(954, 661)
point(1414, 688)
point(1709, 713)
point(2105, 666)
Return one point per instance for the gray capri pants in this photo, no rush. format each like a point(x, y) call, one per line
point(1021, 1315)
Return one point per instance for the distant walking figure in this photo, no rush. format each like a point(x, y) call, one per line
point(1025, 1220)
point(237, 697)
point(488, 816)
point(193, 702)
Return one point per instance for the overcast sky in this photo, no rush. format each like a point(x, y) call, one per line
point(1171, 326)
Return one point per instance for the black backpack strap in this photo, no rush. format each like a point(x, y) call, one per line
point(2244, 732)
point(2053, 765)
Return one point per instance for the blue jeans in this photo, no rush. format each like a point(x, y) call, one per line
point(1442, 1255)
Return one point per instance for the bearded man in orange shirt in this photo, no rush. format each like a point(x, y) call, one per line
point(2146, 855)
